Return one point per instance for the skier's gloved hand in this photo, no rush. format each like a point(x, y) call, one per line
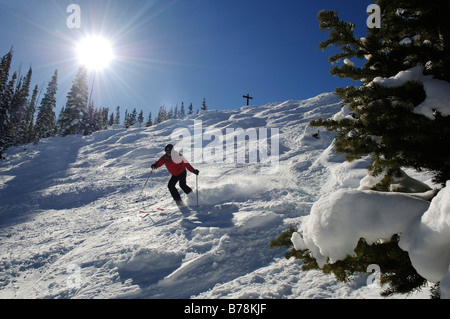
point(196, 171)
point(153, 166)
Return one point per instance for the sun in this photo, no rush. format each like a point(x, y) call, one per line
point(95, 52)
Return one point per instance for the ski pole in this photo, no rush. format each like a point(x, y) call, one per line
point(196, 179)
point(146, 182)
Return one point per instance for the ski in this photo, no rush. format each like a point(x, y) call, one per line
point(147, 212)
point(144, 214)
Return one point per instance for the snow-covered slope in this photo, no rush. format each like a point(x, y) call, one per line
point(70, 226)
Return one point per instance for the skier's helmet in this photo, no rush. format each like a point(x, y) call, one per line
point(168, 148)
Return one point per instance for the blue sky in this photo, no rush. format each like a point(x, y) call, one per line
point(173, 51)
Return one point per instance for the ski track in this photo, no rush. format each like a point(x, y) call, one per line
point(70, 225)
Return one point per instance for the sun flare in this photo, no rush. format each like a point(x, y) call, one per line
point(95, 52)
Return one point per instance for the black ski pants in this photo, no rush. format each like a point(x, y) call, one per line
point(173, 190)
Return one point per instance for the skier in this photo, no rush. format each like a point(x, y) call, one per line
point(176, 164)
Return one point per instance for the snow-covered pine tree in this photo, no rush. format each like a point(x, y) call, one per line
point(170, 114)
point(158, 117)
point(397, 273)
point(130, 118)
point(126, 121)
point(58, 122)
point(88, 120)
point(204, 106)
point(133, 117)
point(98, 120)
point(77, 100)
point(162, 115)
point(176, 113)
point(10, 102)
point(19, 104)
point(6, 94)
point(182, 112)
point(190, 108)
point(117, 118)
point(104, 113)
point(111, 120)
point(382, 123)
point(141, 117)
point(28, 129)
point(5, 66)
point(149, 120)
point(46, 117)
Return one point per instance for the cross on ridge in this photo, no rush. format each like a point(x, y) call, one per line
point(247, 97)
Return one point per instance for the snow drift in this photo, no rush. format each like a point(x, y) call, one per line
point(428, 240)
point(338, 220)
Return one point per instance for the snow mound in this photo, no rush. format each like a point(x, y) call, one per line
point(428, 240)
point(338, 220)
point(147, 266)
point(245, 221)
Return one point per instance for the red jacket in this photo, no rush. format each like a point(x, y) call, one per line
point(174, 168)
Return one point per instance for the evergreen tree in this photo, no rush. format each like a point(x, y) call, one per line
point(88, 122)
point(170, 114)
point(17, 122)
point(130, 118)
point(46, 117)
point(5, 112)
point(382, 123)
point(204, 107)
point(182, 111)
point(126, 121)
point(162, 115)
point(133, 117)
point(12, 110)
point(149, 120)
point(58, 121)
point(190, 108)
point(104, 121)
point(117, 118)
point(28, 129)
point(397, 273)
point(98, 119)
point(141, 117)
point(5, 66)
point(176, 113)
point(77, 100)
point(111, 120)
